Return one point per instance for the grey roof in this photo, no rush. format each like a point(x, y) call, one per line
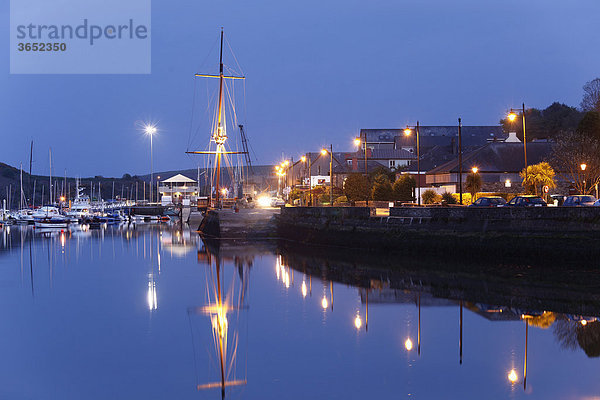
point(433, 135)
point(499, 157)
point(347, 169)
point(384, 154)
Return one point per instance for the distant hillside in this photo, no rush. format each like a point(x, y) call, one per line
point(126, 185)
point(10, 185)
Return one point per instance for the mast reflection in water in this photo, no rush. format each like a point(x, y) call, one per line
point(226, 294)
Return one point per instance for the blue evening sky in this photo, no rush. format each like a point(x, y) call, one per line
point(318, 72)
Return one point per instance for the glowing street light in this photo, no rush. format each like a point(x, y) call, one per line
point(324, 152)
point(303, 158)
point(357, 143)
point(408, 344)
point(408, 132)
point(583, 166)
point(512, 376)
point(512, 117)
point(150, 130)
point(474, 169)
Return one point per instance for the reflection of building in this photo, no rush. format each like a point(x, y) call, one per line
point(177, 188)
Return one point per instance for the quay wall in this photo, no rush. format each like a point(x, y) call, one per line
point(247, 224)
point(533, 232)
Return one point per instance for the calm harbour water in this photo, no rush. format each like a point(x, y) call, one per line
point(134, 312)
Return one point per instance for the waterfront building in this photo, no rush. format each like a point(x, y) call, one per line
point(498, 163)
point(178, 188)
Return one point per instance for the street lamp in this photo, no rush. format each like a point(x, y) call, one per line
point(324, 152)
point(407, 132)
point(583, 166)
point(150, 130)
point(474, 169)
point(357, 142)
point(512, 117)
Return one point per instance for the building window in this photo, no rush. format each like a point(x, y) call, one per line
point(392, 163)
point(319, 170)
point(349, 162)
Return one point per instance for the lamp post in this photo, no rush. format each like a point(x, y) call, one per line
point(357, 143)
point(310, 179)
point(324, 152)
point(583, 167)
point(512, 116)
point(150, 130)
point(474, 171)
point(460, 161)
point(407, 132)
point(303, 160)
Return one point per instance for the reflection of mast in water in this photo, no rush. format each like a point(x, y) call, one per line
point(223, 311)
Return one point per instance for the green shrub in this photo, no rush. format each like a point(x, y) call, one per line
point(448, 198)
point(382, 188)
point(403, 188)
point(356, 187)
point(340, 199)
point(430, 197)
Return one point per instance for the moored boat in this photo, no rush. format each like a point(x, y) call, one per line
point(55, 221)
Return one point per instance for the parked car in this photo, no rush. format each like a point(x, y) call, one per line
point(526, 201)
point(492, 201)
point(579, 200)
point(277, 201)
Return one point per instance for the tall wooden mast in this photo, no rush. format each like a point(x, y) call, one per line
point(219, 136)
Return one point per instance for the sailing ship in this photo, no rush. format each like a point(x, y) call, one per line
point(219, 138)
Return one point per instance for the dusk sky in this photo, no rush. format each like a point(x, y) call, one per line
point(317, 72)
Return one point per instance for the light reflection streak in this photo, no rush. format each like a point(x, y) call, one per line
point(151, 296)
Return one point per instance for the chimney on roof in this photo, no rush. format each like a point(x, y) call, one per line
point(512, 138)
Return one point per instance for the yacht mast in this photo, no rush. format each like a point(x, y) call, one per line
point(50, 188)
point(21, 203)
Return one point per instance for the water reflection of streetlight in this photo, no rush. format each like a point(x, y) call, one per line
point(408, 344)
point(357, 322)
point(151, 296)
point(512, 376)
point(304, 291)
point(324, 302)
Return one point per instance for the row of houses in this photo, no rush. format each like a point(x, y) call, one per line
point(499, 157)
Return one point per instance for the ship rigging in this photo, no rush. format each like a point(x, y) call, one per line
point(219, 133)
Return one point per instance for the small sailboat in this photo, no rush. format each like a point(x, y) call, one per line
point(49, 216)
point(24, 215)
